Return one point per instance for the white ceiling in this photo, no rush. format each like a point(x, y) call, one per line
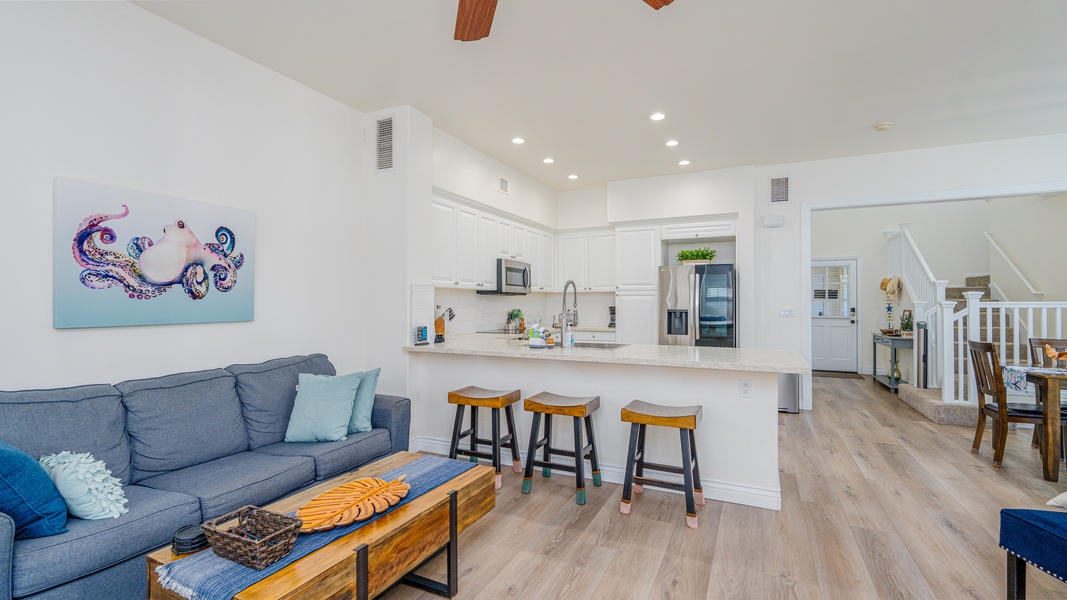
point(742, 82)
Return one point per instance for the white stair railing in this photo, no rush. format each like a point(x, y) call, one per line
point(1037, 294)
point(903, 257)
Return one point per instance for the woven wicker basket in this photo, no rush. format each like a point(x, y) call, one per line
point(259, 539)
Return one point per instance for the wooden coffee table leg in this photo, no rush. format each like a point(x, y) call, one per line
point(450, 587)
point(362, 572)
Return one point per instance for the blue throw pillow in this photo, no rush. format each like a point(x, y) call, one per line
point(323, 408)
point(364, 402)
point(28, 496)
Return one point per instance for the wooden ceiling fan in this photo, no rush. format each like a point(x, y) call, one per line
point(475, 17)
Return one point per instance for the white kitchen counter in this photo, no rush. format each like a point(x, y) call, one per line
point(688, 357)
point(737, 439)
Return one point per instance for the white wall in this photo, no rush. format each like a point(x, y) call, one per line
point(583, 209)
point(109, 93)
point(464, 171)
point(1032, 231)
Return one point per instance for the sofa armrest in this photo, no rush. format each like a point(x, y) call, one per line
point(393, 413)
point(7, 548)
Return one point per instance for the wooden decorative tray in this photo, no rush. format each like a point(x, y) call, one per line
point(354, 501)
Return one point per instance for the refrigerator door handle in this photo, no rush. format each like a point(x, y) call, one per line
point(694, 301)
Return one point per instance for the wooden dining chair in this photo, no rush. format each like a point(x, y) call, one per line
point(990, 382)
point(1038, 358)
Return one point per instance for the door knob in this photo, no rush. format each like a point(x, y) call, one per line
point(853, 321)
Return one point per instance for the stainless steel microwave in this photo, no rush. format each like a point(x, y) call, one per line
point(513, 277)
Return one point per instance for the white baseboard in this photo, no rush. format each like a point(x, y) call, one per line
point(723, 491)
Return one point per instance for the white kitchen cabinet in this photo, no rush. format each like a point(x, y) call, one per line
point(690, 231)
point(531, 244)
point(594, 336)
point(589, 259)
point(548, 263)
point(637, 258)
point(466, 247)
point(487, 251)
point(573, 259)
point(503, 238)
point(518, 240)
point(443, 270)
point(636, 318)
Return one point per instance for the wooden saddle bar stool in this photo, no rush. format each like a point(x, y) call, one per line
point(685, 418)
point(476, 397)
point(581, 409)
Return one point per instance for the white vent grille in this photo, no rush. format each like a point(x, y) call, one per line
point(503, 187)
point(780, 189)
point(384, 144)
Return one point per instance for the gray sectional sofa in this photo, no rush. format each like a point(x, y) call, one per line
point(187, 447)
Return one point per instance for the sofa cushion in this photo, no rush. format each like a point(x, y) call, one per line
point(267, 391)
point(180, 420)
point(42, 563)
point(28, 495)
point(322, 408)
point(87, 418)
point(334, 458)
point(231, 482)
point(364, 406)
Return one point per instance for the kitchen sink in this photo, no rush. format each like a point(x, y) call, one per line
point(599, 345)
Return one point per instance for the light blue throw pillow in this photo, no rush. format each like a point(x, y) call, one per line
point(364, 405)
point(323, 408)
point(86, 485)
point(28, 496)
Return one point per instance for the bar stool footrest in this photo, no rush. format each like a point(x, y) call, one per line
point(658, 483)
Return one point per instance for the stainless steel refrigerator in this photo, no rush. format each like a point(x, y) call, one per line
point(698, 305)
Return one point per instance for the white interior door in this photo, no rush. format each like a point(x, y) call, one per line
point(833, 315)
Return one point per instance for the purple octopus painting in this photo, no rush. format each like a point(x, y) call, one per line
point(111, 271)
point(147, 268)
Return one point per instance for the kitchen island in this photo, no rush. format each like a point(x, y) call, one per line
point(737, 439)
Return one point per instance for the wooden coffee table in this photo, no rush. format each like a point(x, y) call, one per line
point(374, 557)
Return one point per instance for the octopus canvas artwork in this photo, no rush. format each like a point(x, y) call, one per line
point(147, 268)
point(112, 270)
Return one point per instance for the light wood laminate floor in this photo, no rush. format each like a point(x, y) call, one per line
point(877, 502)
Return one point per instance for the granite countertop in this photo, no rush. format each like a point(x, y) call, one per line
point(692, 357)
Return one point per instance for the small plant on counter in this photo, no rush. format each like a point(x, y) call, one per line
point(515, 314)
point(905, 321)
point(696, 254)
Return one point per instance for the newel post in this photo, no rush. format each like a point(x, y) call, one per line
point(974, 332)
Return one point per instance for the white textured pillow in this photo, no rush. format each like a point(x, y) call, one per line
point(1059, 501)
point(86, 484)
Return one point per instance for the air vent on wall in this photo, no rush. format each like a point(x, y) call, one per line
point(384, 144)
point(780, 189)
point(503, 187)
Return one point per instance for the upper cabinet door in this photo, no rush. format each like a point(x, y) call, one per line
point(601, 269)
point(531, 253)
point(548, 263)
point(503, 238)
point(487, 252)
point(637, 258)
point(443, 271)
point(573, 259)
point(466, 247)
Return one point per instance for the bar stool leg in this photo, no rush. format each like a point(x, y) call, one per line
point(579, 462)
point(640, 465)
point(474, 432)
point(698, 487)
point(545, 471)
point(455, 431)
point(687, 472)
point(516, 464)
point(628, 478)
point(593, 460)
point(496, 446)
point(531, 455)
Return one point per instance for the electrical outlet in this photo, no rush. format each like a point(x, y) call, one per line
point(746, 389)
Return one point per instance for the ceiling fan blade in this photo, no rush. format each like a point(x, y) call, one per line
point(658, 4)
point(473, 19)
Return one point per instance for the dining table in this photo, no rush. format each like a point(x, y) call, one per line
point(1047, 383)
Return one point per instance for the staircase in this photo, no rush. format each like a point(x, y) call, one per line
point(980, 283)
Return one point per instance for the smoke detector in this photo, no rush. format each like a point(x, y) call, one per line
point(883, 126)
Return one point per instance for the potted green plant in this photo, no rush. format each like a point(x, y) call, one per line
point(514, 317)
point(696, 256)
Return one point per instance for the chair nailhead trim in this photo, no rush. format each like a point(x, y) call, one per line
point(1032, 564)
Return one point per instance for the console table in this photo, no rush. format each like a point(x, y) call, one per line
point(893, 342)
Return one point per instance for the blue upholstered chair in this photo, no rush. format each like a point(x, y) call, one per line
point(1038, 537)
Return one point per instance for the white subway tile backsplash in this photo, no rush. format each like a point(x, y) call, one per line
point(480, 313)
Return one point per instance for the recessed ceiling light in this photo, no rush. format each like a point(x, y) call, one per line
point(683, 162)
point(883, 126)
point(572, 177)
point(517, 141)
point(549, 161)
point(672, 143)
point(657, 116)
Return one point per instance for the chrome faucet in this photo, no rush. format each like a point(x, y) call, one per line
point(568, 318)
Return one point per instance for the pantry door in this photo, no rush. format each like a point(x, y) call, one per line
point(833, 315)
